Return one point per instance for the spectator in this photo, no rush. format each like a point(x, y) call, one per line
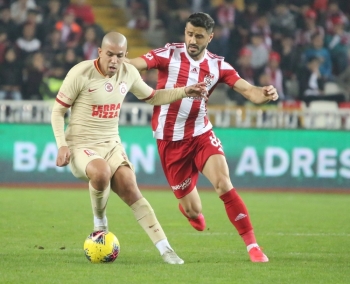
point(249, 16)
point(318, 50)
point(11, 76)
point(200, 6)
point(52, 81)
point(245, 70)
point(275, 75)
point(260, 53)
point(290, 56)
point(83, 12)
point(52, 15)
point(338, 44)
point(68, 58)
point(4, 43)
point(70, 31)
point(139, 20)
point(282, 18)
point(250, 13)
point(262, 25)
point(34, 18)
point(9, 25)
point(33, 74)
point(311, 83)
point(177, 23)
point(227, 16)
point(299, 9)
point(28, 43)
point(19, 10)
point(303, 36)
point(88, 48)
point(219, 43)
point(333, 10)
point(343, 80)
point(53, 46)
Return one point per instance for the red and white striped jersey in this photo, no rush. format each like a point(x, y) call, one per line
point(185, 118)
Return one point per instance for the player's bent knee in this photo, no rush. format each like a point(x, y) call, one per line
point(222, 185)
point(98, 171)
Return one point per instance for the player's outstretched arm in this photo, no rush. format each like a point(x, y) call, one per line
point(57, 122)
point(167, 96)
point(257, 95)
point(138, 62)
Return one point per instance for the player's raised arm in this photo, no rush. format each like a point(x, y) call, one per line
point(167, 96)
point(57, 122)
point(257, 95)
point(138, 62)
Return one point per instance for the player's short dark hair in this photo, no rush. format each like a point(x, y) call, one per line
point(202, 20)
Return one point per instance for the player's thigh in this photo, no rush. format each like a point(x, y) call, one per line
point(123, 181)
point(80, 158)
point(117, 157)
point(177, 159)
point(210, 160)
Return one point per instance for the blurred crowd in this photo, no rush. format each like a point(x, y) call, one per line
point(299, 46)
point(40, 40)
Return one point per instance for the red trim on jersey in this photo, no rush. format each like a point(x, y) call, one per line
point(62, 103)
point(174, 107)
point(151, 96)
point(212, 55)
point(97, 67)
point(196, 104)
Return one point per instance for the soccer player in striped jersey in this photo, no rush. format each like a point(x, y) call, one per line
point(186, 142)
point(95, 90)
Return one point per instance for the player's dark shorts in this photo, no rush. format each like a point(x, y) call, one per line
point(183, 160)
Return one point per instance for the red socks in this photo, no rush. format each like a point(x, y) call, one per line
point(238, 214)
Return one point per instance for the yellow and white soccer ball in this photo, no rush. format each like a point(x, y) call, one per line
point(101, 247)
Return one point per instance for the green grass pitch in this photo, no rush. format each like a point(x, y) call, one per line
point(306, 237)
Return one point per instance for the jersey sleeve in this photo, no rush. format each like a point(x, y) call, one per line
point(70, 88)
point(158, 58)
point(139, 88)
point(228, 74)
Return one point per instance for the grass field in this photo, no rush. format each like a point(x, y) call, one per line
point(306, 236)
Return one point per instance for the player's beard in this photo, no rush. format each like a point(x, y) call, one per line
point(195, 53)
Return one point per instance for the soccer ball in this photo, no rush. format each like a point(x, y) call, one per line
point(101, 247)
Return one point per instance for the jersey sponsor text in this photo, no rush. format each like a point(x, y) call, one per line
point(106, 111)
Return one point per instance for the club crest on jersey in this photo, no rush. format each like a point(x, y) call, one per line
point(208, 79)
point(108, 87)
point(123, 88)
point(89, 153)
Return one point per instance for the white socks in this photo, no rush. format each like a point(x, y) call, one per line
point(163, 246)
point(252, 246)
point(100, 224)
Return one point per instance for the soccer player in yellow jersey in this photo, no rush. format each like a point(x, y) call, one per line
point(95, 90)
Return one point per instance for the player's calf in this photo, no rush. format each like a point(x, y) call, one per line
point(197, 223)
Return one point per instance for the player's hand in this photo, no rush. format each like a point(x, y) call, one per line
point(63, 156)
point(197, 90)
point(270, 92)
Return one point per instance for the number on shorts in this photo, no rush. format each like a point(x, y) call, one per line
point(216, 142)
